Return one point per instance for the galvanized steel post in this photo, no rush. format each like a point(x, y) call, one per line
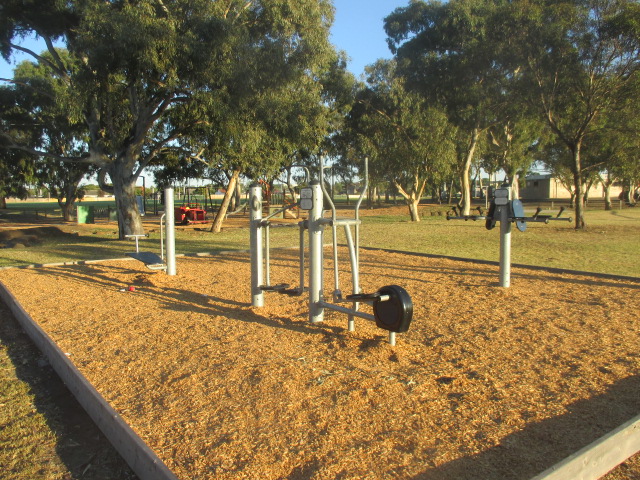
point(505, 242)
point(255, 244)
point(171, 230)
point(316, 230)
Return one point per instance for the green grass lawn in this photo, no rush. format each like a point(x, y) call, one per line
point(610, 244)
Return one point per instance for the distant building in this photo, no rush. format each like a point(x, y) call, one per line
point(544, 187)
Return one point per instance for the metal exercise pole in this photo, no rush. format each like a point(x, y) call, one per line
point(171, 231)
point(505, 244)
point(316, 229)
point(255, 244)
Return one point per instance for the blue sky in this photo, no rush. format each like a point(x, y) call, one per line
point(357, 30)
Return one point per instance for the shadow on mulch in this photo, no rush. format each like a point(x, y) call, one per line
point(81, 446)
point(541, 445)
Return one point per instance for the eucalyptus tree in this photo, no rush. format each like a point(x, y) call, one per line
point(17, 168)
point(578, 60)
point(616, 148)
point(38, 111)
point(151, 73)
point(447, 52)
point(16, 172)
point(409, 142)
point(512, 146)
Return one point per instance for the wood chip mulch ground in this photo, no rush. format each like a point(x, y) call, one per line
point(488, 383)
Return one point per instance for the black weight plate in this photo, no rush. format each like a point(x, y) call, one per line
point(396, 313)
point(490, 222)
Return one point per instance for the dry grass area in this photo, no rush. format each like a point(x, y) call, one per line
point(487, 383)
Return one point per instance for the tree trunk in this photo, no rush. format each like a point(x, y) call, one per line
point(124, 191)
point(129, 219)
point(413, 210)
point(216, 226)
point(606, 187)
point(577, 183)
point(465, 201)
point(412, 199)
point(515, 186)
point(67, 208)
point(607, 196)
point(3, 202)
point(587, 190)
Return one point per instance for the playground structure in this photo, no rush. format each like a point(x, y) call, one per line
point(190, 213)
point(617, 444)
point(167, 259)
point(505, 210)
point(392, 306)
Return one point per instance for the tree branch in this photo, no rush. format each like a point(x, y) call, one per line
point(42, 59)
point(85, 159)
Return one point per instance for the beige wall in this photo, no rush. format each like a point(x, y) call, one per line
point(541, 187)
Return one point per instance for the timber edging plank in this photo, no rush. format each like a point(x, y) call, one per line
point(600, 457)
point(142, 460)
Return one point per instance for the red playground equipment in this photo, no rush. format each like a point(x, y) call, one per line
point(189, 213)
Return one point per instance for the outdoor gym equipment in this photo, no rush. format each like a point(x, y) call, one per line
point(392, 306)
point(152, 260)
point(507, 211)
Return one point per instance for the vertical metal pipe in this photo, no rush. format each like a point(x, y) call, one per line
point(255, 244)
point(355, 274)
point(171, 231)
point(334, 232)
point(162, 236)
point(267, 255)
point(316, 312)
point(357, 211)
point(301, 284)
point(505, 246)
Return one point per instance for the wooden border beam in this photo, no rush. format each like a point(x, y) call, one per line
point(600, 457)
point(142, 460)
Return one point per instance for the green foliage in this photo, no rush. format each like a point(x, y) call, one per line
point(407, 141)
point(188, 77)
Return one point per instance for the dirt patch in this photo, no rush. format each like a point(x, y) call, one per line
point(487, 383)
point(29, 237)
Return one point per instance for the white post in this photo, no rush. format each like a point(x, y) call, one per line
point(255, 244)
point(171, 231)
point(505, 243)
point(316, 230)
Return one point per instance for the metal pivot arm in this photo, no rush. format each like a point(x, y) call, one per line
point(564, 219)
point(467, 217)
point(274, 288)
point(535, 219)
point(293, 292)
point(368, 297)
point(280, 210)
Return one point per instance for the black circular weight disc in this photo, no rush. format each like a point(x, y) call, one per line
point(396, 313)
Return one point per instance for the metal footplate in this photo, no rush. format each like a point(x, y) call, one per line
point(150, 259)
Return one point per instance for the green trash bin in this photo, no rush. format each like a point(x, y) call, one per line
point(85, 214)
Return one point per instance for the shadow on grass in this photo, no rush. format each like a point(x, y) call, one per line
point(490, 270)
point(80, 445)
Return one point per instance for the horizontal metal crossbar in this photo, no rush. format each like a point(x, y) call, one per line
point(348, 311)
